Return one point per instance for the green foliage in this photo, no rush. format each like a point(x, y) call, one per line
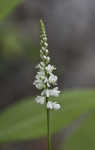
point(84, 137)
point(27, 120)
point(10, 45)
point(14, 47)
point(6, 6)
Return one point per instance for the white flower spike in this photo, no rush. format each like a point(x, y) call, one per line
point(45, 79)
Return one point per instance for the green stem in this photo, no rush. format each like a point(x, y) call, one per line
point(48, 129)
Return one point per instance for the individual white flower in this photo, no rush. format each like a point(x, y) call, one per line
point(50, 68)
point(45, 38)
point(51, 92)
point(48, 85)
point(39, 80)
point(41, 53)
point(56, 106)
point(53, 79)
point(44, 57)
point(53, 105)
point(47, 59)
point(46, 44)
point(41, 42)
point(49, 105)
point(43, 48)
point(40, 75)
point(54, 92)
point(39, 84)
point(39, 66)
point(40, 99)
point(46, 93)
point(46, 81)
point(46, 51)
point(42, 64)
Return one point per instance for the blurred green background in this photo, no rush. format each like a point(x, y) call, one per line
point(22, 121)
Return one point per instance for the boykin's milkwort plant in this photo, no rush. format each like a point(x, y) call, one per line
point(45, 79)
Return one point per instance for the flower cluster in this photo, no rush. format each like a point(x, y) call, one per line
point(45, 79)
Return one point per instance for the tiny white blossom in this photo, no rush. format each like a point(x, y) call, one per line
point(43, 48)
point(54, 92)
point(40, 75)
point(47, 59)
point(53, 105)
point(46, 80)
point(46, 51)
point(44, 57)
point(46, 93)
point(42, 64)
point(45, 38)
point(50, 68)
point(46, 44)
point(40, 99)
point(51, 92)
point(41, 42)
point(39, 66)
point(53, 79)
point(49, 105)
point(56, 106)
point(39, 84)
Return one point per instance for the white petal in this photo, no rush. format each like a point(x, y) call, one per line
point(46, 93)
point(56, 106)
point(53, 79)
point(40, 99)
point(49, 105)
point(55, 92)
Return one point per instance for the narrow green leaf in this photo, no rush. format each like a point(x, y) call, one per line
point(6, 6)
